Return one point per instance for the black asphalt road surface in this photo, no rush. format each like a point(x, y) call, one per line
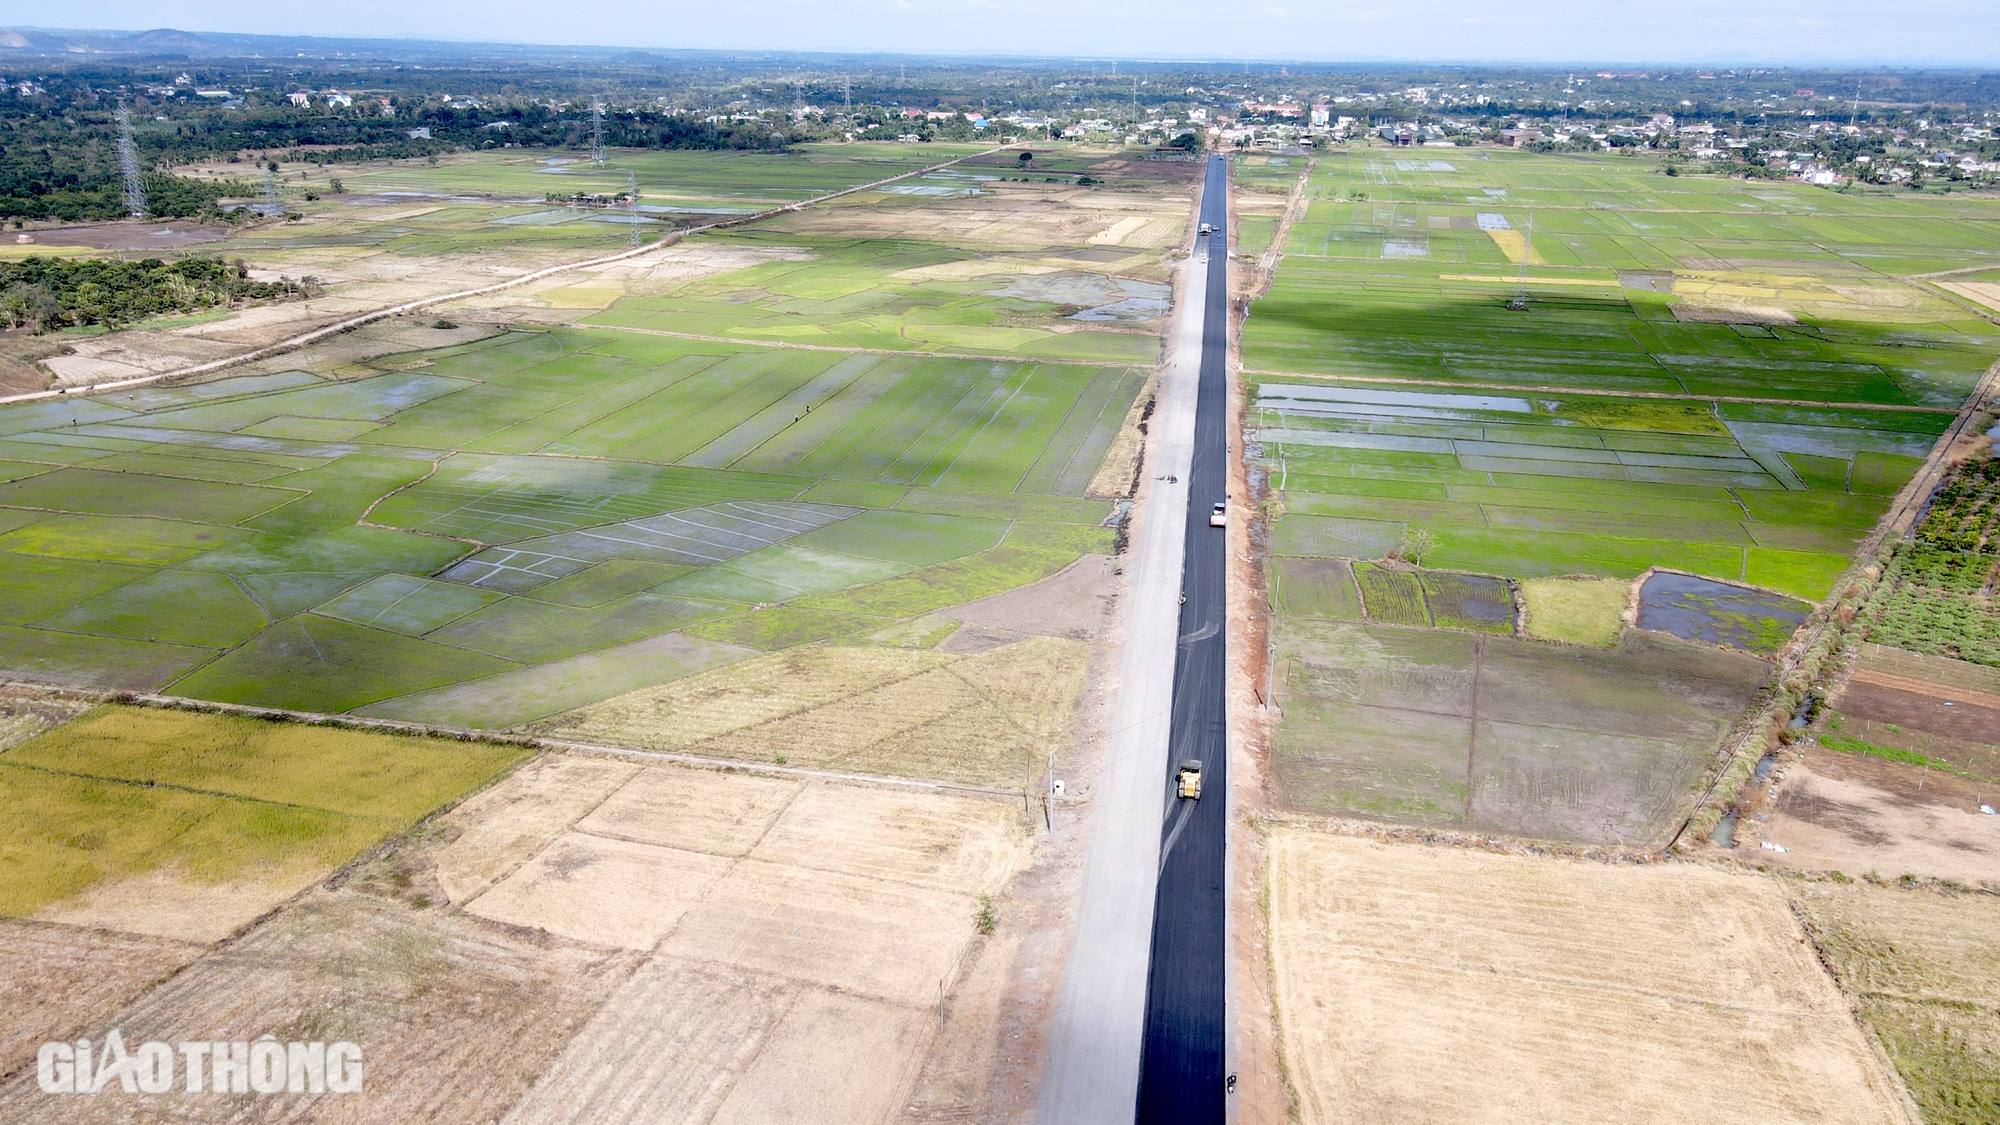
point(1181, 1077)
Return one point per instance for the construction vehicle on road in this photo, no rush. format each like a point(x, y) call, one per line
point(1187, 781)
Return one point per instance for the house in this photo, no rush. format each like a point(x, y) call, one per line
point(299, 99)
point(1519, 138)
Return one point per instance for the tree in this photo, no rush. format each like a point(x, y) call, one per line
point(1414, 544)
point(1024, 158)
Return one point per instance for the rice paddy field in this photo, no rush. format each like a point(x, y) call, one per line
point(499, 531)
point(1570, 372)
point(1726, 378)
point(497, 201)
point(210, 800)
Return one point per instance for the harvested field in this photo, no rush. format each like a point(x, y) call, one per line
point(808, 927)
point(1418, 984)
point(608, 892)
point(1496, 733)
point(1924, 967)
point(457, 1018)
point(1860, 814)
point(728, 1045)
point(59, 981)
point(989, 719)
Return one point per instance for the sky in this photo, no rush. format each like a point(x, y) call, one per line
point(1549, 31)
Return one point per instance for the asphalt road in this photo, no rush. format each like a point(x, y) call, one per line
point(1099, 1031)
point(1182, 1069)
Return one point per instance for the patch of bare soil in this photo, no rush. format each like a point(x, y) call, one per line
point(1732, 314)
point(803, 934)
point(165, 234)
point(1953, 713)
point(1069, 604)
point(62, 982)
point(1857, 814)
point(1007, 216)
point(1431, 984)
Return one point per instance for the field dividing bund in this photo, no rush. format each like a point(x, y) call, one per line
point(534, 522)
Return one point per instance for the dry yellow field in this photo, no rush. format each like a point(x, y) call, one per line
point(800, 933)
point(1420, 984)
point(989, 719)
point(588, 940)
point(1924, 966)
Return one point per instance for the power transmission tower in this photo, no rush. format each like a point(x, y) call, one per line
point(128, 163)
point(1520, 301)
point(271, 205)
point(632, 206)
point(847, 93)
point(596, 131)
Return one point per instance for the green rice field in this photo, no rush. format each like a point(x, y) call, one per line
point(1725, 377)
point(854, 292)
point(496, 202)
point(493, 532)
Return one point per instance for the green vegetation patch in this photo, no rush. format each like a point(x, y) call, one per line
point(312, 663)
point(1848, 745)
point(784, 627)
point(1577, 610)
point(1392, 597)
point(136, 494)
point(181, 606)
point(533, 631)
point(911, 538)
point(405, 604)
point(1031, 552)
point(1315, 588)
point(155, 542)
point(613, 578)
point(48, 293)
point(32, 587)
